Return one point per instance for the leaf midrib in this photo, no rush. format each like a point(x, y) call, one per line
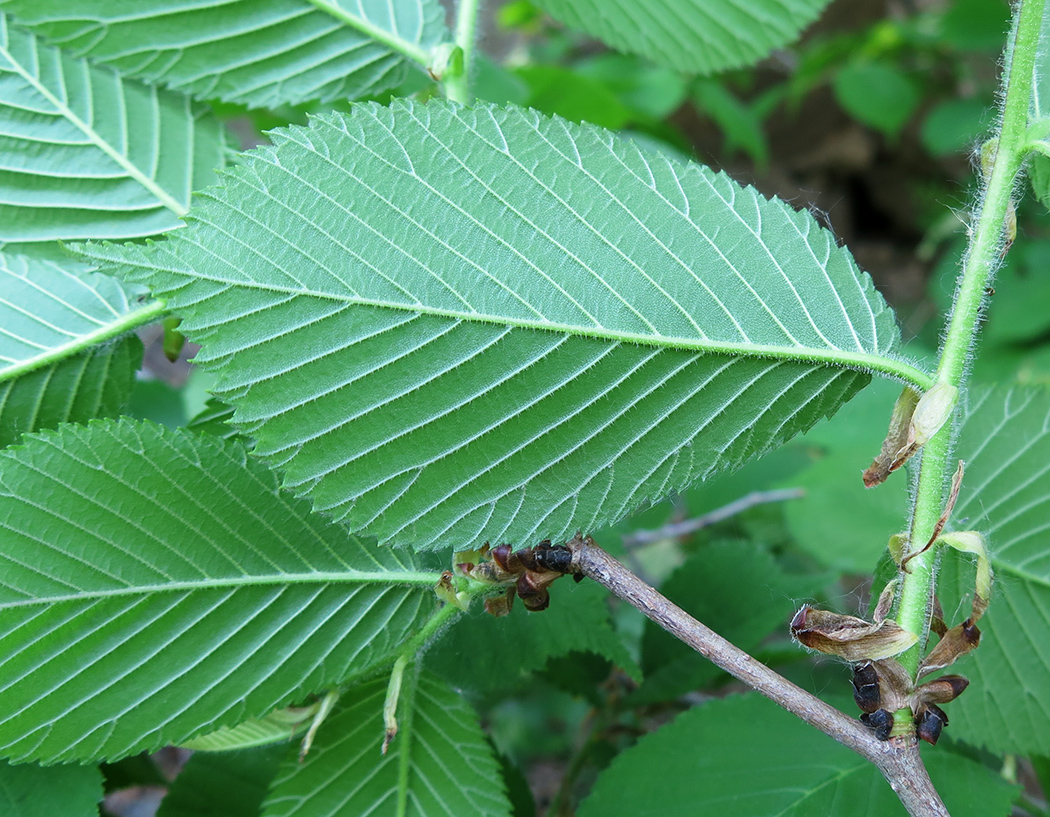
point(380, 35)
point(391, 579)
point(897, 369)
point(165, 198)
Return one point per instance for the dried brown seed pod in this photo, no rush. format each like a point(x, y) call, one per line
point(929, 723)
point(881, 721)
point(866, 690)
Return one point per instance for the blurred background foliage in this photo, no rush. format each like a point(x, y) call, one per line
point(871, 122)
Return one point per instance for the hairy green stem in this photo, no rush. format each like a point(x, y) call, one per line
point(982, 257)
point(458, 85)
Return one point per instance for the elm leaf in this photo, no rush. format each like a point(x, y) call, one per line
point(53, 368)
point(261, 53)
point(158, 586)
point(452, 326)
point(87, 153)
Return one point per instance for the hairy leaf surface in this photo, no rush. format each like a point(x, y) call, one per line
point(86, 153)
point(1005, 443)
point(457, 326)
point(157, 586)
point(262, 53)
point(48, 314)
point(745, 757)
point(696, 36)
point(439, 765)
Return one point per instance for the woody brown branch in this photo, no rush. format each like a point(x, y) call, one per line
point(898, 758)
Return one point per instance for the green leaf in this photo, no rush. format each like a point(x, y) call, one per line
point(158, 586)
point(877, 94)
point(695, 36)
point(1005, 443)
point(745, 611)
point(261, 54)
point(32, 791)
point(87, 153)
point(745, 757)
point(224, 784)
point(483, 652)
point(52, 367)
point(485, 325)
point(439, 765)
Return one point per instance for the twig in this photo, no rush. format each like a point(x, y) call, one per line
point(674, 530)
point(898, 758)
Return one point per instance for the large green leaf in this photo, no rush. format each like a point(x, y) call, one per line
point(89, 154)
point(262, 53)
point(745, 757)
point(53, 366)
point(455, 325)
point(1005, 443)
point(697, 36)
point(439, 765)
point(28, 790)
point(157, 586)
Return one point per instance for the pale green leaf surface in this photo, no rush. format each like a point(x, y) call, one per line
point(224, 784)
point(459, 326)
point(86, 153)
point(28, 790)
point(439, 765)
point(157, 586)
point(52, 368)
point(261, 53)
point(695, 36)
point(482, 652)
point(1005, 443)
point(745, 757)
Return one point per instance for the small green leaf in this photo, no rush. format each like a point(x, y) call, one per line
point(745, 757)
point(53, 368)
point(224, 784)
point(29, 790)
point(87, 153)
point(158, 586)
point(439, 765)
point(486, 325)
point(877, 94)
point(483, 652)
point(261, 54)
point(1005, 443)
point(694, 36)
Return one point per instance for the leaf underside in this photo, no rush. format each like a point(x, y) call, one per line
point(452, 326)
point(261, 53)
point(451, 770)
point(28, 790)
point(1005, 443)
point(157, 586)
point(86, 153)
point(695, 36)
point(44, 308)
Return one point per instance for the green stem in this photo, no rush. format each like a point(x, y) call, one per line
point(125, 323)
point(435, 623)
point(458, 82)
point(982, 258)
point(381, 35)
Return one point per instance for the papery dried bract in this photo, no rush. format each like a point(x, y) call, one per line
point(849, 637)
